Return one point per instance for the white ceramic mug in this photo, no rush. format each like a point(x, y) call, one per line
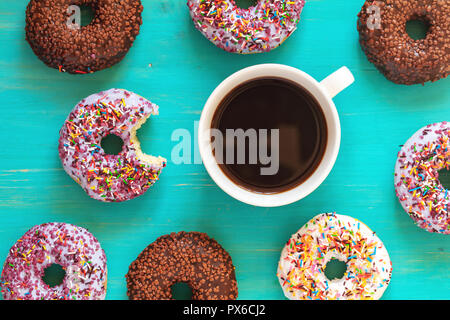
point(323, 91)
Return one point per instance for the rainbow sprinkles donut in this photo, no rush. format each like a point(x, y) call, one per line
point(259, 28)
point(72, 247)
point(109, 177)
point(301, 270)
point(417, 183)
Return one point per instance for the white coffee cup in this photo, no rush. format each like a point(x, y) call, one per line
point(323, 91)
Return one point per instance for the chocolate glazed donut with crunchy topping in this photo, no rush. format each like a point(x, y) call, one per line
point(388, 46)
point(99, 45)
point(189, 257)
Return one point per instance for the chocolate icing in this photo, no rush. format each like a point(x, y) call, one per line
point(190, 257)
point(99, 45)
point(400, 58)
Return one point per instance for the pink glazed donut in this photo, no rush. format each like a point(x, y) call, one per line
point(73, 248)
point(260, 28)
point(105, 177)
point(417, 183)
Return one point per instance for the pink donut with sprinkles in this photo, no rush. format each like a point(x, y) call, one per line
point(259, 28)
point(301, 270)
point(416, 178)
point(72, 247)
point(106, 177)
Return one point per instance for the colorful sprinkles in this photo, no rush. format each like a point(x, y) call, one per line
point(72, 247)
point(105, 177)
point(301, 270)
point(417, 182)
point(260, 28)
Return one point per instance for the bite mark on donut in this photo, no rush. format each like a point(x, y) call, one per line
point(145, 158)
point(104, 177)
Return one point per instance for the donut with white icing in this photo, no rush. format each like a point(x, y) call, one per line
point(109, 177)
point(416, 177)
point(301, 270)
point(259, 28)
point(72, 247)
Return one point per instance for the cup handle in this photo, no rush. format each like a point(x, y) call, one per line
point(337, 81)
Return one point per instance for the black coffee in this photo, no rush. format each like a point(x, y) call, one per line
point(257, 107)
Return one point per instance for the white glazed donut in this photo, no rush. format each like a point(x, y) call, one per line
point(332, 236)
point(416, 178)
point(259, 28)
point(104, 177)
point(72, 247)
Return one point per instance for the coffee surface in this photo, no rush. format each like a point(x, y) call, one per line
point(270, 103)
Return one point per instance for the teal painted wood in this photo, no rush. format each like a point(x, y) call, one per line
point(377, 116)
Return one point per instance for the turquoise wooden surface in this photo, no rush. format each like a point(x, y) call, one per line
point(173, 65)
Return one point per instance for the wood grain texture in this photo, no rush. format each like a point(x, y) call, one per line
point(376, 116)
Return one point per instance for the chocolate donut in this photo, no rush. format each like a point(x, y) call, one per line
point(403, 60)
point(99, 45)
point(189, 257)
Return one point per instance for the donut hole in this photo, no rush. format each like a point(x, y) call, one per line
point(417, 27)
point(112, 144)
point(87, 14)
point(54, 275)
point(181, 291)
point(245, 4)
point(80, 15)
point(335, 269)
point(444, 178)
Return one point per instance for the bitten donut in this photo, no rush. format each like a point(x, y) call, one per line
point(61, 44)
point(108, 177)
point(403, 60)
point(72, 247)
point(189, 257)
point(301, 270)
point(416, 177)
point(259, 28)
